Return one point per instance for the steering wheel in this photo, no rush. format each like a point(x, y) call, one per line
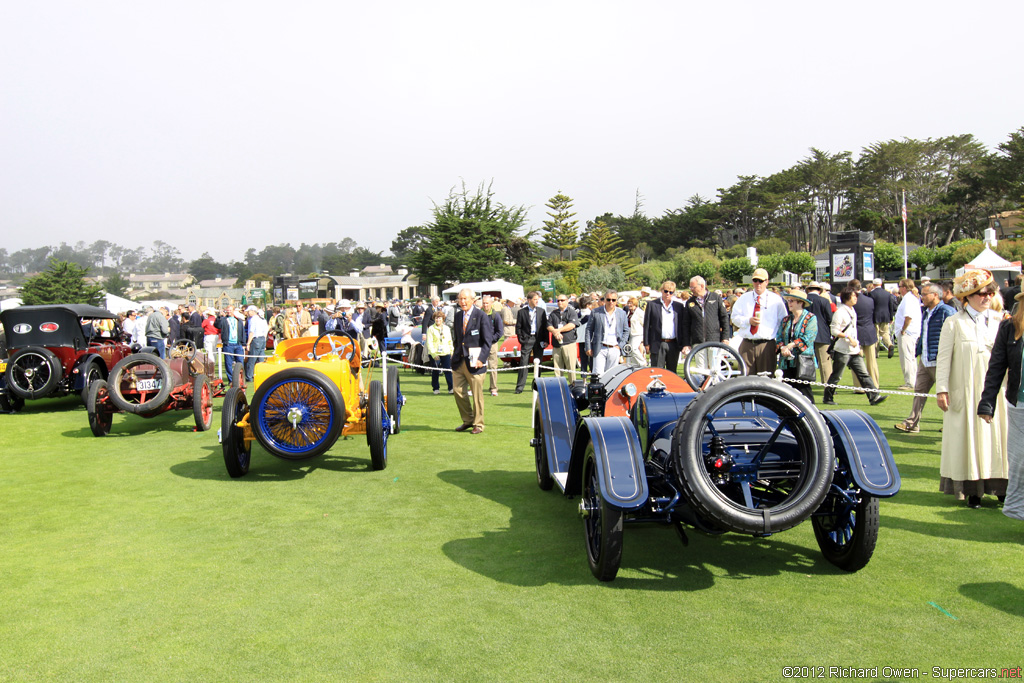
point(185, 346)
point(352, 345)
point(711, 363)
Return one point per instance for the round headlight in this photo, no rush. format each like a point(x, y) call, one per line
point(629, 390)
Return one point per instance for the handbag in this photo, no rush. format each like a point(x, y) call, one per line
point(805, 369)
point(832, 345)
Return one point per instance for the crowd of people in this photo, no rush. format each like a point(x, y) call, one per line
point(955, 336)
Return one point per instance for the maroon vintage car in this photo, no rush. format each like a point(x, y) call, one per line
point(146, 385)
point(56, 350)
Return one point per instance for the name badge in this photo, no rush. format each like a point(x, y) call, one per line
point(474, 333)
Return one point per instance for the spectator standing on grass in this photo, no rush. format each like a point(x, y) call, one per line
point(231, 327)
point(974, 461)
point(607, 334)
point(562, 325)
point(174, 327)
point(635, 318)
point(932, 318)
point(304, 319)
point(139, 334)
point(706, 319)
point(821, 308)
point(157, 329)
point(848, 351)
point(210, 334)
point(757, 314)
point(428, 315)
point(664, 321)
point(907, 324)
point(1006, 362)
point(587, 306)
point(438, 342)
point(866, 331)
point(256, 343)
point(471, 342)
point(885, 309)
point(795, 340)
point(488, 306)
point(532, 333)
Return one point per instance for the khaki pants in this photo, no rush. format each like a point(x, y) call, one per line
point(492, 364)
point(471, 408)
point(565, 360)
point(824, 362)
point(759, 357)
point(871, 363)
point(884, 338)
point(925, 381)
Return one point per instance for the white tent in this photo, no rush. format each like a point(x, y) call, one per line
point(1000, 268)
point(13, 302)
point(499, 288)
point(117, 304)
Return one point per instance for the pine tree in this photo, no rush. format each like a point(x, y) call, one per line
point(601, 247)
point(561, 232)
point(62, 283)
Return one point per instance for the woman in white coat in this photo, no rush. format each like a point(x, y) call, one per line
point(636, 332)
point(973, 460)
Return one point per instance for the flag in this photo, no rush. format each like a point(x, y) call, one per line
point(904, 211)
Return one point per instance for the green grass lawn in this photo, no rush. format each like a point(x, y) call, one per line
point(135, 557)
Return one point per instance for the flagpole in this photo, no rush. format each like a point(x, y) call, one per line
point(904, 213)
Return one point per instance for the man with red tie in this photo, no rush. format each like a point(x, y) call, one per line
point(474, 334)
point(757, 314)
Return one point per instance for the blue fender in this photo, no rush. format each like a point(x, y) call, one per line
point(88, 358)
point(558, 418)
point(620, 461)
point(654, 411)
point(859, 442)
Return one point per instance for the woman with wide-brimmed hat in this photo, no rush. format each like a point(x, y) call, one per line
point(795, 342)
point(973, 450)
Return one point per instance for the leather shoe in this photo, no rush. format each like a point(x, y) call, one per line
point(878, 400)
point(478, 430)
point(892, 350)
point(462, 428)
point(974, 502)
point(519, 391)
point(828, 402)
point(907, 429)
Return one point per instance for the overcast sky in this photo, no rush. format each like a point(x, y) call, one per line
point(221, 126)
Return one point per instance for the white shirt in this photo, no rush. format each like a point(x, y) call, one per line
point(257, 327)
point(773, 310)
point(609, 329)
point(668, 320)
point(139, 332)
point(910, 307)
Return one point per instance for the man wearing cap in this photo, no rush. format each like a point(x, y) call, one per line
point(473, 337)
point(757, 315)
point(885, 309)
point(821, 308)
point(256, 345)
point(664, 322)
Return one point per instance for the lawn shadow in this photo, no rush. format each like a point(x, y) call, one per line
point(265, 467)
point(126, 424)
point(962, 523)
point(927, 472)
point(996, 594)
point(43, 406)
point(544, 543)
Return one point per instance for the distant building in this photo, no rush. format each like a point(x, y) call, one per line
point(168, 285)
point(381, 282)
point(1007, 223)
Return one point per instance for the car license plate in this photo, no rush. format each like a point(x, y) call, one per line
point(147, 384)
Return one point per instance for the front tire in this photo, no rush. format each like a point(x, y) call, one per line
point(100, 417)
point(91, 373)
point(393, 397)
point(298, 414)
point(602, 524)
point(236, 449)
point(540, 455)
point(847, 537)
point(202, 402)
point(376, 427)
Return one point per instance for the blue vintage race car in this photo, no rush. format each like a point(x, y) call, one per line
point(748, 455)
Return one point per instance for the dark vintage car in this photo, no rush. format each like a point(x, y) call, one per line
point(748, 455)
point(146, 385)
point(56, 350)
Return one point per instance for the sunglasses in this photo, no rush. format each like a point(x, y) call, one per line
point(611, 299)
point(668, 291)
point(560, 300)
point(758, 281)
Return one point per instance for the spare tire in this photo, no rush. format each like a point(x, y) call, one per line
point(33, 372)
point(142, 403)
point(781, 474)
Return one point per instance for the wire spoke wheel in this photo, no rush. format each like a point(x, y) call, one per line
point(540, 455)
point(847, 531)
point(33, 373)
point(299, 413)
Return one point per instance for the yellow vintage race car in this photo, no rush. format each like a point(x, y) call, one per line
point(310, 392)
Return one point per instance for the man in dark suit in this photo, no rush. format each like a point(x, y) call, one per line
point(821, 308)
point(532, 332)
point(663, 325)
point(885, 309)
point(428, 315)
point(706, 319)
point(866, 334)
point(474, 334)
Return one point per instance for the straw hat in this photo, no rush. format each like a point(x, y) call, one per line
point(970, 282)
point(799, 296)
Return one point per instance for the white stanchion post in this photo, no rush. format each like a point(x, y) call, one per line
point(536, 368)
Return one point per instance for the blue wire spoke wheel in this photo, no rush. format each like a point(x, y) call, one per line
point(299, 414)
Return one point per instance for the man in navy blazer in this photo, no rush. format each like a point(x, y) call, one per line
point(607, 334)
point(474, 334)
point(664, 321)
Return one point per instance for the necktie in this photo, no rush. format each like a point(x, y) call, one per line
point(757, 310)
point(465, 323)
